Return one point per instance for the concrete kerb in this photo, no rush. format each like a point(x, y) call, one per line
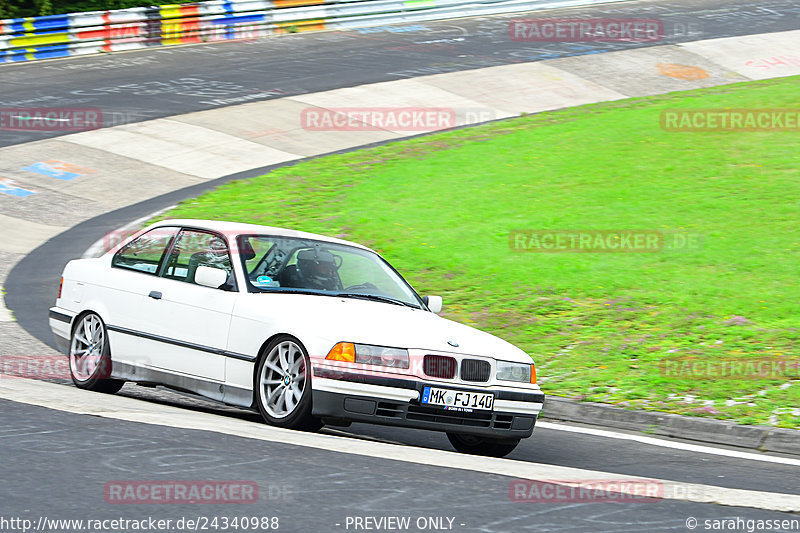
point(711, 431)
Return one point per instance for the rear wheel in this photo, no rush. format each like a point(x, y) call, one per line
point(90, 356)
point(481, 445)
point(283, 386)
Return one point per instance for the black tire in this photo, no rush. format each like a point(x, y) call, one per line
point(90, 356)
point(278, 403)
point(482, 446)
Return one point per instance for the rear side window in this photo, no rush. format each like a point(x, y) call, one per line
point(145, 253)
point(196, 248)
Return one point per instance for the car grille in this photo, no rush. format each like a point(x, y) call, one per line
point(475, 370)
point(478, 418)
point(439, 366)
point(484, 419)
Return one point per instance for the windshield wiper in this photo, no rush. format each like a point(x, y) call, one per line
point(377, 298)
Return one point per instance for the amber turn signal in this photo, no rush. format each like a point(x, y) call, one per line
point(343, 351)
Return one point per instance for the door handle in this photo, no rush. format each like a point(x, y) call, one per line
point(156, 295)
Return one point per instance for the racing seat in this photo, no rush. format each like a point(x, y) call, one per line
point(290, 277)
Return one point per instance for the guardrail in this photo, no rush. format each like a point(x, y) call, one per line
point(55, 36)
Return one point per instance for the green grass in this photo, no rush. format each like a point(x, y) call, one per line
point(440, 208)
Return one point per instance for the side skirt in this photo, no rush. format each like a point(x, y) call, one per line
point(212, 390)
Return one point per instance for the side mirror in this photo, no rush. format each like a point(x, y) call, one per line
point(434, 303)
point(210, 277)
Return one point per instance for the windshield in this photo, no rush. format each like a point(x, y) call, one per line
point(292, 264)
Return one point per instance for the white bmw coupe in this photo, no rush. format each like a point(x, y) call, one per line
point(307, 329)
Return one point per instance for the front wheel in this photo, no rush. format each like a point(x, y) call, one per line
point(283, 386)
point(482, 446)
point(90, 356)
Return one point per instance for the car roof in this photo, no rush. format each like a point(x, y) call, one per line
point(241, 228)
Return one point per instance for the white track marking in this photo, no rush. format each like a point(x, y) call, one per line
point(670, 444)
point(69, 399)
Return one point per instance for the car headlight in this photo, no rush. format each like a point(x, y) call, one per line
point(369, 355)
point(518, 372)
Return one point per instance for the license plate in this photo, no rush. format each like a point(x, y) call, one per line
point(453, 400)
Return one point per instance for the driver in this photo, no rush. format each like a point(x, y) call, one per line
point(318, 269)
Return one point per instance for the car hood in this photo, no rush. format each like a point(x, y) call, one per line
point(383, 324)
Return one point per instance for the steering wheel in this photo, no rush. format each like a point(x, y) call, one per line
point(366, 285)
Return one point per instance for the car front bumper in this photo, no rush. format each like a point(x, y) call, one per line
point(395, 402)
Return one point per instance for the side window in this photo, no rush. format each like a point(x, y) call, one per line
point(144, 253)
point(259, 255)
point(197, 248)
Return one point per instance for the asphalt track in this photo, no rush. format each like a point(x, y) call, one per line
point(559, 448)
point(148, 84)
point(45, 448)
point(308, 490)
